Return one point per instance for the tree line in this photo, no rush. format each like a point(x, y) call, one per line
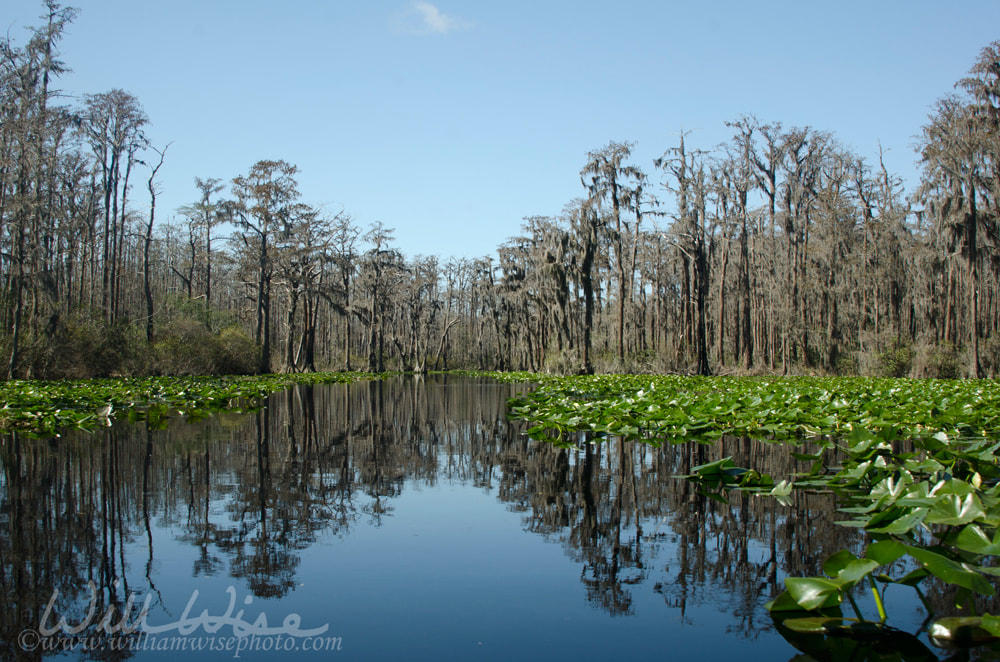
point(777, 251)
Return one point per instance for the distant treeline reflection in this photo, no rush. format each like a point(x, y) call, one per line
point(251, 491)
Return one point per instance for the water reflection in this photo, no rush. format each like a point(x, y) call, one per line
point(620, 511)
point(252, 494)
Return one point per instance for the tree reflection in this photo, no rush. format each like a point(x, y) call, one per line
point(250, 492)
point(620, 511)
point(65, 507)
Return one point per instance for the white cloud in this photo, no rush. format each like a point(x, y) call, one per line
point(426, 18)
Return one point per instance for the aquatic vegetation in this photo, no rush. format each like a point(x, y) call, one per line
point(44, 408)
point(914, 464)
point(935, 505)
point(659, 409)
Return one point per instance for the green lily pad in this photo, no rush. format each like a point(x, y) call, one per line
point(813, 593)
point(972, 539)
point(965, 630)
point(953, 572)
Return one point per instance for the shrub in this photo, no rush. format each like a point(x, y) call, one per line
point(187, 347)
point(237, 354)
point(896, 361)
point(562, 362)
point(184, 347)
point(847, 364)
point(936, 361)
point(80, 348)
point(990, 355)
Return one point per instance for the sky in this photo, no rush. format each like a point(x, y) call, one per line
point(451, 121)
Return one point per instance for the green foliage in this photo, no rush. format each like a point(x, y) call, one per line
point(565, 362)
point(930, 505)
point(713, 476)
point(662, 409)
point(896, 361)
point(847, 365)
point(237, 354)
point(937, 361)
point(188, 347)
point(184, 348)
point(990, 355)
point(44, 408)
point(81, 348)
point(966, 630)
point(179, 307)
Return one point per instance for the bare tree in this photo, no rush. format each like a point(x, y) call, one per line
point(691, 233)
point(381, 268)
point(953, 175)
point(113, 126)
point(585, 224)
point(205, 215)
point(265, 204)
point(344, 248)
point(148, 242)
point(607, 177)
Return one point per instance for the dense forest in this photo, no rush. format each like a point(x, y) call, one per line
point(777, 251)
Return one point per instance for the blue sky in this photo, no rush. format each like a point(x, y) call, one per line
point(452, 120)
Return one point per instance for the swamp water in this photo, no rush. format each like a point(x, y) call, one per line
point(404, 519)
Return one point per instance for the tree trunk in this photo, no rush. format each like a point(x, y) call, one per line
point(971, 224)
point(721, 351)
point(745, 323)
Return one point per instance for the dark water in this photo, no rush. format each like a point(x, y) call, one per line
point(397, 520)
